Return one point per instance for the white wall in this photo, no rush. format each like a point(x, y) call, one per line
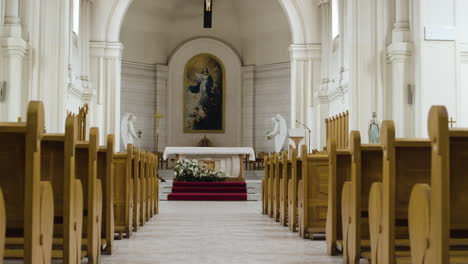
point(139, 98)
point(257, 30)
point(272, 96)
point(266, 91)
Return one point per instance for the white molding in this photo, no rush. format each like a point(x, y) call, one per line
point(399, 51)
point(464, 53)
point(305, 51)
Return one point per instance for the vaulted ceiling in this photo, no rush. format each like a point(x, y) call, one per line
point(257, 29)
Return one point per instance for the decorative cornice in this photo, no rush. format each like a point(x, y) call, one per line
point(320, 98)
point(248, 72)
point(14, 46)
point(106, 49)
point(162, 72)
point(399, 51)
point(83, 94)
point(305, 51)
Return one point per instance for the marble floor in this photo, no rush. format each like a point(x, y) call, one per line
point(216, 232)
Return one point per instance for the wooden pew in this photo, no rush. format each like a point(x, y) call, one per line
point(151, 185)
point(284, 176)
point(271, 179)
point(86, 171)
point(366, 169)
point(58, 167)
point(405, 163)
point(143, 197)
point(312, 194)
point(123, 192)
point(156, 184)
point(276, 187)
point(105, 172)
point(2, 226)
point(29, 202)
point(438, 217)
point(136, 188)
point(339, 171)
point(265, 180)
point(293, 181)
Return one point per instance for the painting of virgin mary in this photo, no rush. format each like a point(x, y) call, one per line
point(204, 95)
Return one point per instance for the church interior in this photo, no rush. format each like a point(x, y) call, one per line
point(233, 131)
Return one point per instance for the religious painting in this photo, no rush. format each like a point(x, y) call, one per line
point(204, 89)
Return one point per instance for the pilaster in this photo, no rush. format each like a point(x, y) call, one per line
point(14, 48)
point(305, 79)
point(105, 65)
point(248, 104)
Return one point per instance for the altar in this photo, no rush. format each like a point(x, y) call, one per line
point(227, 160)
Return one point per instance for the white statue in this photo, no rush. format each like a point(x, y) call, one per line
point(127, 130)
point(208, 5)
point(280, 133)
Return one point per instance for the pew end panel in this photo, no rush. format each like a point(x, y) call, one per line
point(105, 173)
point(136, 189)
point(285, 167)
point(266, 171)
point(314, 196)
point(339, 170)
point(86, 171)
point(123, 192)
point(438, 215)
point(292, 191)
point(406, 162)
point(29, 204)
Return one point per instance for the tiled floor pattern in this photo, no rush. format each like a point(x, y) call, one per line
point(216, 232)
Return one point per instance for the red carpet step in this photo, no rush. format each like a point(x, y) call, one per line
point(208, 191)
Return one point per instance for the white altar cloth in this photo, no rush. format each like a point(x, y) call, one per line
point(208, 151)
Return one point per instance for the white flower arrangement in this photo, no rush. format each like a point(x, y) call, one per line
point(190, 171)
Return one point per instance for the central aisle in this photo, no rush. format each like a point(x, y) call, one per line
point(216, 232)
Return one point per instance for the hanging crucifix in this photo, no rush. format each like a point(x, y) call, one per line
point(207, 17)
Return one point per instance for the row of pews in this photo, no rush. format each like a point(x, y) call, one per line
point(67, 199)
point(401, 201)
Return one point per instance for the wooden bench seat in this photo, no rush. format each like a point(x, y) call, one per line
point(143, 190)
point(58, 166)
point(405, 162)
point(292, 189)
point(339, 173)
point(313, 194)
point(86, 170)
point(284, 176)
point(105, 173)
point(136, 189)
point(123, 192)
point(276, 187)
point(266, 177)
point(29, 202)
point(271, 182)
point(438, 215)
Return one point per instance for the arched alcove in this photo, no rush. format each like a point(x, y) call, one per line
point(232, 136)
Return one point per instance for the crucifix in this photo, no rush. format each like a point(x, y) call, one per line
point(157, 116)
point(207, 17)
point(451, 122)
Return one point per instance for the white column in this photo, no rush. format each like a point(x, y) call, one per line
point(14, 49)
point(248, 97)
point(305, 78)
point(399, 53)
point(105, 64)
